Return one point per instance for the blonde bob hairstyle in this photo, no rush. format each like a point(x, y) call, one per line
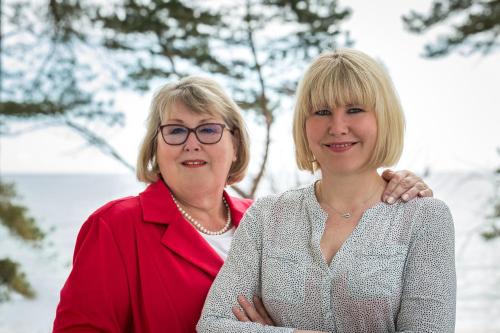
point(202, 96)
point(349, 77)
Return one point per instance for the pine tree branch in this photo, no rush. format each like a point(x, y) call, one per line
point(99, 142)
point(263, 102)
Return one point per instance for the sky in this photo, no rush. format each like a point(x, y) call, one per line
point(452, 108)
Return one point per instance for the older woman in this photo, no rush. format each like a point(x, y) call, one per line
point(331, 256)
point(145, 263)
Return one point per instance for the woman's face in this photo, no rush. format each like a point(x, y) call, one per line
point(342, 139)
point(194, 166)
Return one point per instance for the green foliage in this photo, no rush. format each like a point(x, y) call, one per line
point(29, 110)
point(13, 280)
point(493, 229)
point(14, 217)
point(491, 234)
point(47, 78)
point(475, 26)
point(154, 36)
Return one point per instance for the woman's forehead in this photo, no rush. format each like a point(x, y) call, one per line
point(333, 96)
point(334, 101)
point(181, 112)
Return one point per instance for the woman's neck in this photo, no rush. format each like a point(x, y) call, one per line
point(348, 192)
point(202, 204)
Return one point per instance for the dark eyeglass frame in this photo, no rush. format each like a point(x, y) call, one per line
point(189, 129)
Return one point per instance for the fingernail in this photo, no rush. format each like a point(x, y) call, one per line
point(390, 200)
point(405, 197)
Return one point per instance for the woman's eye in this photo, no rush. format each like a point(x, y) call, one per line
point(355, 110)
point(209, 130)
point(176, 130)
point(324, 112)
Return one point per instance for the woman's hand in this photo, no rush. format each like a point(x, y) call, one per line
point(404, 184)
point(255, 312)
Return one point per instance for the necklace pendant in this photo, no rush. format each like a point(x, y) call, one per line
point(346, 215)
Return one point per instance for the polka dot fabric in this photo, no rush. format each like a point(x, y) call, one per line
point(395, 273)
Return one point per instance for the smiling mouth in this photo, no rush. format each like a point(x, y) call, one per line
point(340, 147)
point(194, 164)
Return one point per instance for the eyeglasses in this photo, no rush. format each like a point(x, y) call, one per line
point(208, 134)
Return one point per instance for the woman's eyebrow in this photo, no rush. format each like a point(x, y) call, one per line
point(205, 120)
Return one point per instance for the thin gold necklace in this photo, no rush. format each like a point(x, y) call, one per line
point(346, 215)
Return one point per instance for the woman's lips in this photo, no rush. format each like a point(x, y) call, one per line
point(194, 163)
point(340, 147)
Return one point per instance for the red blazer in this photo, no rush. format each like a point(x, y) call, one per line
point(139, 266)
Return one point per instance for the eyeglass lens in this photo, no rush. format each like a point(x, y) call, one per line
point(205, 133)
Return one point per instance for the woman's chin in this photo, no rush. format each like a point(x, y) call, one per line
point(343, 169)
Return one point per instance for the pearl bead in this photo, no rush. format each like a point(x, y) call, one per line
point(201, 228)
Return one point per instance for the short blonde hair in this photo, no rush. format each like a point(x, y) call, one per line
point(202, 96)
point(346, 77)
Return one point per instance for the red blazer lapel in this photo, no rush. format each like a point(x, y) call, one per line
point(238, 207)
point(180, 237)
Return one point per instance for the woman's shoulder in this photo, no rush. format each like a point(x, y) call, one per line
point(117, 210)
point(427, 206)
point(110, 223)
point(429, 214)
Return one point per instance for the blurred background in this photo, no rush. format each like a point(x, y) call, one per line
point(77, 78)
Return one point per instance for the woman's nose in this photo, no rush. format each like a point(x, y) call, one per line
point(192, 143)
point(338, 125)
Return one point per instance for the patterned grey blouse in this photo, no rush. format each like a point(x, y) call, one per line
point(395, 272)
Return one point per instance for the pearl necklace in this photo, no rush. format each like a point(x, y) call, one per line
point(201, 228)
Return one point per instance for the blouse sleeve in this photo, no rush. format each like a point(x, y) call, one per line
point(429, 291)
point(240, 275)
point(95, 296)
